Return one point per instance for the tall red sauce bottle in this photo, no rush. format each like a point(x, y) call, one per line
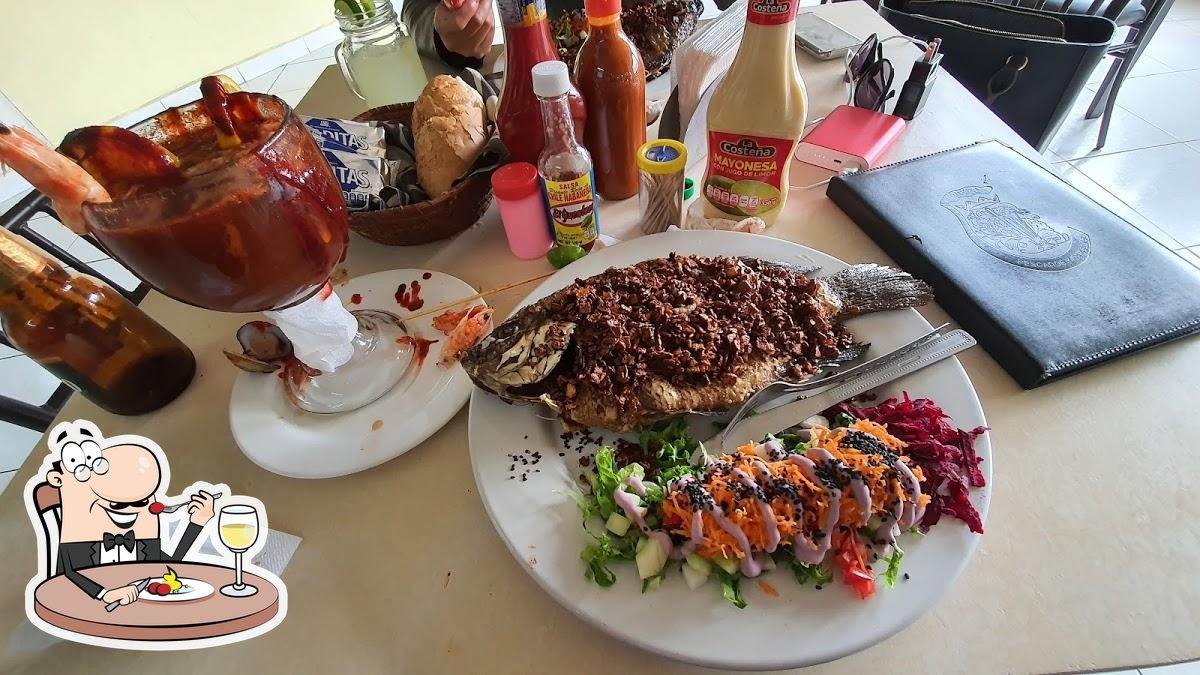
point(610, 75)
point(527, 42)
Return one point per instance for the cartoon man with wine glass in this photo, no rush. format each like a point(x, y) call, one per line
point(103, 541)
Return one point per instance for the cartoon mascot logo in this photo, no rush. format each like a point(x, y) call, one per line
point(120, 562)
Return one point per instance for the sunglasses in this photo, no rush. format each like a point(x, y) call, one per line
point(871, 76)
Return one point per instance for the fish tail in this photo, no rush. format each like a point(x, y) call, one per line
point(859, 289)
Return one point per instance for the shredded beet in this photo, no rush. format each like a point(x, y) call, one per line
point(945, 454)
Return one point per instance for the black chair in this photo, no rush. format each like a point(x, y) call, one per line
point(1142, 19)
point(17, 220)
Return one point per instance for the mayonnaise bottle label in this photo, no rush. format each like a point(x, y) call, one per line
point(573, 210)
point(745, 172)
point(771, 12)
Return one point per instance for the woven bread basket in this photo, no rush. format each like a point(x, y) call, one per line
point(428, 221)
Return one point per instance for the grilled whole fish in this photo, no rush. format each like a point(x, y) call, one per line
point(638, 344)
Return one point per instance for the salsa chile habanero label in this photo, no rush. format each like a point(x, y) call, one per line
point(745, 172)
point(573, 210)
point(771, 12)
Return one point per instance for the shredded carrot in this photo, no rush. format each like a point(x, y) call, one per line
point(768, 588)
point(740, 508)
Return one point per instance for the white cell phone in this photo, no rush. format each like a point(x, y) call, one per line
point(823, 39)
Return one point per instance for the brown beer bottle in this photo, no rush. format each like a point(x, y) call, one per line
point(88, 334)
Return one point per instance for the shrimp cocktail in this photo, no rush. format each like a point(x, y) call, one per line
point(227, 204)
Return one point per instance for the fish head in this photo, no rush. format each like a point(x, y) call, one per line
point(515, 356)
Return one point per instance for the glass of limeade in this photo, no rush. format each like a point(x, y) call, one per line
point(377, 57)
point(239, 530)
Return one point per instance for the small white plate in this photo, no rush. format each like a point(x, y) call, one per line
point(285, 440)
point(540, 523)
point(193, 589)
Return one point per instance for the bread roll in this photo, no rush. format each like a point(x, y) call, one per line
point(449, 133)
point(447, 96)
point(445, 150)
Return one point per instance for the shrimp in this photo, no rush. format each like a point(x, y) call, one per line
point(470, 329)
point(447, 321)
point(66, 183)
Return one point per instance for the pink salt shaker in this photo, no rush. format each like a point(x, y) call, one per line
point(522, 209)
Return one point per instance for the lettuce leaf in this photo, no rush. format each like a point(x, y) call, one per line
point(667, 475)
point(588, 506)
point(605, 481)
point(730, 587)
point(841, 420)
point(670, 441)
point(604, 550)
point(805, 573)
point(893, 567)
point(790, 442)
point(654, 493)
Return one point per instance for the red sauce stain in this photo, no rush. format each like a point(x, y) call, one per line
point(326, 291)
point(420, 346)
point(410, 298)
point(427, 276)
point(376, 425)
point(298, 374)
point(355, 299)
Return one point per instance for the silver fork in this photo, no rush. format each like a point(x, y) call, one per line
point(175, 507)
point(779, 388)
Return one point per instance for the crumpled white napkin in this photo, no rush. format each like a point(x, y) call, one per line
point(320, 329)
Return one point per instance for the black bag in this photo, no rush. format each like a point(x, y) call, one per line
point(1026, 65)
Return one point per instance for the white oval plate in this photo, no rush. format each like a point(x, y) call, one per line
point(541, 525)
point(285, 440)
point(200, 589)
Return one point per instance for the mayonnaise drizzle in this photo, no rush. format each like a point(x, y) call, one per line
point(813, 551)
point(913, 509)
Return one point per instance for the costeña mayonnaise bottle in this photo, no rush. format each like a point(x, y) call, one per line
point(755, 118)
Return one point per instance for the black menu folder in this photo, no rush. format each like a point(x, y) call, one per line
point(1047, 280)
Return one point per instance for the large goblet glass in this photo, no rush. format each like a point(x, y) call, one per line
point(257, 228)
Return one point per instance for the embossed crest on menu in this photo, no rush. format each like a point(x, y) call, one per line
point(1014, 234)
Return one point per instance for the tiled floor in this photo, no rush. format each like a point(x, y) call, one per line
point(1147, 173)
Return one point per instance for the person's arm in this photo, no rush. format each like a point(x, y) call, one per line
point(200, 510)
point(85, 584)
point(185, 543)
point(89, 587)
point(467, 29)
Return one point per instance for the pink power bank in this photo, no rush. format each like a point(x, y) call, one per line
point(850, 138)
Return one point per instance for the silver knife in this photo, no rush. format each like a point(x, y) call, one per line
point(140, 586)
point(788, 415)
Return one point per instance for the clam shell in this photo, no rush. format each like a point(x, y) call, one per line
point(264, 341)
point(250, 364)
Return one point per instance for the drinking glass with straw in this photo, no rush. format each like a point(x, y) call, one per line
point(660, 194)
